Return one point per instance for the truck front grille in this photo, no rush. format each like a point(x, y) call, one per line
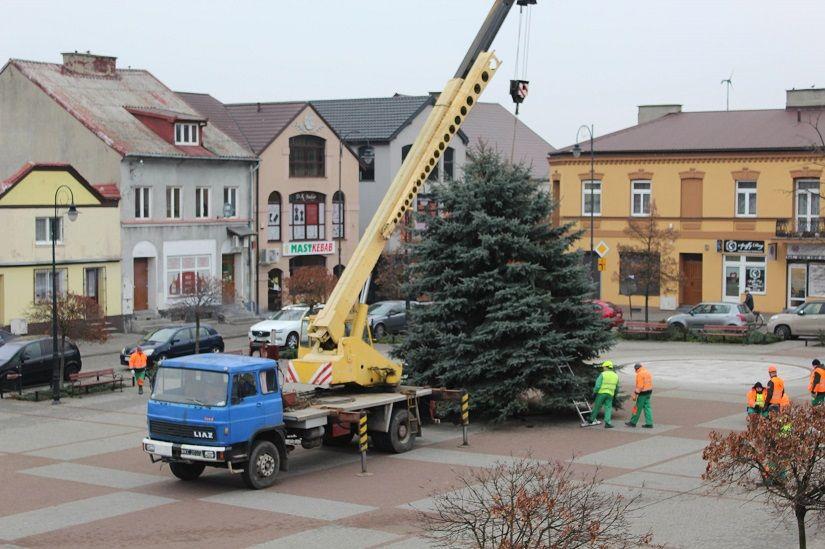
point(168, 429)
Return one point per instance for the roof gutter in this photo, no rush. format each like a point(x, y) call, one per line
point(186, 157)
point(562, 154)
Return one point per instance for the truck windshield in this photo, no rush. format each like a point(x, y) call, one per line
point(186, 386)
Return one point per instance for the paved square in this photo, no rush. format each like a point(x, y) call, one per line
point(690, 465)
point(736, 422)
point(14, 527)
point(98, 476)
point(327, 537)
point(278, 502)
point(454, 457)
point(88, 448)
point(643, 452)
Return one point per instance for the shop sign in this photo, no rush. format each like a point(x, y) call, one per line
point(744, 246)
point(305, 197)
point(326, 247)
point(810, 252)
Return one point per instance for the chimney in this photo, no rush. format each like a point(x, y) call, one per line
point(89, 64)
point(652, 112)
point(808, 98)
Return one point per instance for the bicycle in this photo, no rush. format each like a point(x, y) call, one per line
point(759, 320)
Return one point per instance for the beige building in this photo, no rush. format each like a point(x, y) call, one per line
point(87, 250)
point(306, 188)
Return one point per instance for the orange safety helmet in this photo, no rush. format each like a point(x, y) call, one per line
point(771, 369)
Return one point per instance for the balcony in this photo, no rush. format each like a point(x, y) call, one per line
point(800, 228)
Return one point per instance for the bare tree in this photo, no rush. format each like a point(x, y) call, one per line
point(647, 264)
point(391, 275)
point(78, 317)
point(310, 285)
point(526, 503)
point(203, 298)
point(781, 457)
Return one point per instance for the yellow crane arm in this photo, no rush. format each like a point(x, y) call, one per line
point(450, 110)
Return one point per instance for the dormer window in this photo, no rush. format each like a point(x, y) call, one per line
point(186, 134)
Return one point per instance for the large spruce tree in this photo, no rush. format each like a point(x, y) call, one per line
point(509, 296)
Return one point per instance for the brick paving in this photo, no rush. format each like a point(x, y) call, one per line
point(74, 475)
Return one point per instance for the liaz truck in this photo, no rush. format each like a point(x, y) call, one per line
point(230, 411)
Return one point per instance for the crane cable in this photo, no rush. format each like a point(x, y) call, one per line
point(524, 20)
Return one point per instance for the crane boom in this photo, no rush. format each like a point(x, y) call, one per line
point(351, 359)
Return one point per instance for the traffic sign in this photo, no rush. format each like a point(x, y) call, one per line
point(601, 249)
point(602, 264)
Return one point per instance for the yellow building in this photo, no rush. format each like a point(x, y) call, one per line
point(87, 250)
point(741, 188)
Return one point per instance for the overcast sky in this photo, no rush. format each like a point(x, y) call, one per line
point(590, 61)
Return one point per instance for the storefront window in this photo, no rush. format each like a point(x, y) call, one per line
point(184, 271)
point(742, 273)
point(307, 215)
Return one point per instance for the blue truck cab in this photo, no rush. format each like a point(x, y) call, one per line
point(218, 410)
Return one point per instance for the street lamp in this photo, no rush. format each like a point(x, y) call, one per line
point(577, 151)
point(72, 215)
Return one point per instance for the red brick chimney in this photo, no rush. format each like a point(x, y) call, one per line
point(89, 64)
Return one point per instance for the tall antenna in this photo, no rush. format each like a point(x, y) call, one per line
point(728, 82)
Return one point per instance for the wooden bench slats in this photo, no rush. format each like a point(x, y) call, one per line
point(88, 379)
point(634, 327)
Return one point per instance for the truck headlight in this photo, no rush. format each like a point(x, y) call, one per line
point(149, 448)
point(209, 454)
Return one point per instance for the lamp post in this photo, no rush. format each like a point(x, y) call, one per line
point(72, 215)
point(577, 151)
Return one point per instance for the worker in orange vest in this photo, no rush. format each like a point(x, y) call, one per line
point(137, 363)
point(776, 397)
point(817, 383)
point(756, 400)
point(644, 389)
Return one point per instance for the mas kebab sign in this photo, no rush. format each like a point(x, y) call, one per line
point(324, 247)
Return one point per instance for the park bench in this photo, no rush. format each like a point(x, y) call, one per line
point(634, 327)
point(85, 380)
point(13, 380)
point(724, 331)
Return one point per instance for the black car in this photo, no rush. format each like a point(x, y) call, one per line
point(173, 341)
point(33, 357)
point(5, 336)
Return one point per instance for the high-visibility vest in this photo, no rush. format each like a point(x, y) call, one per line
point(137, 360)
point(644, 381)
point(778, 397)
point(610, 380)
point(819, 387)
point(756, 399)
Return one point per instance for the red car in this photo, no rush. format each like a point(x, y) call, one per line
point(609, 311)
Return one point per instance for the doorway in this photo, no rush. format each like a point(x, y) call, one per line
point(690, 274)
point(228, 278)
point(797, 284)
point(141, 291)
point(273, 290)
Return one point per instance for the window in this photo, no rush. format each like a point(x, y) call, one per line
point(307, 156)
point(243, 385)
point(807, 206)
point(186, 134)
point(184, 271)
point(269, 381)
point(366, 157)
point(230, 201)
point(202, 202)
point(449, 163)
point(43, 283)
point(640, 198)
point(592, 197)
point(742, 273)
point(183, 336)
point(142, 200)
point(338, 215)
point(307, 216)
point(273, 223)
point(46, 230)
point(746, 199)
point(173, 202)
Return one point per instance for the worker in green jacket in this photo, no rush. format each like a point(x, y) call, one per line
point(607, 385)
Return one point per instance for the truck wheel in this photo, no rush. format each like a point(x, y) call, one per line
point(399, 439)
point(187, 471)
point(262, 468)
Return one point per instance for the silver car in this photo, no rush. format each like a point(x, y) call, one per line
point(713, 314)
point(805, 320)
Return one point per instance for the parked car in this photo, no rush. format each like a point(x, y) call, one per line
point(33, 357)
point(5, 336)
point(713, 314)
point(388, 317)
point(173, 341)
point(287, 326)
point(806, 320)
point(609, 311)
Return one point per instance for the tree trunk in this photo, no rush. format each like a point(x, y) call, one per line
point(62, 358)
point(647, 298)
point(197, 332)
point(800, 525)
